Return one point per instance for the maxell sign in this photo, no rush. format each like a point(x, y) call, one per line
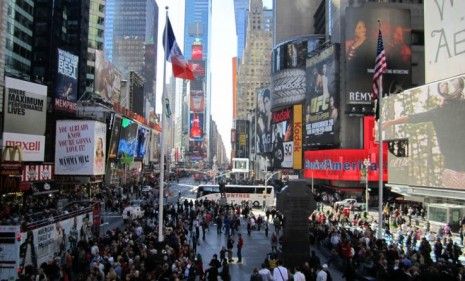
point(32, 147)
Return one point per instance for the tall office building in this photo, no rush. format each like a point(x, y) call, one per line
point(2, 53)
point(196, 26)
point(254, 70)
point(240, 15)
point(130, 35)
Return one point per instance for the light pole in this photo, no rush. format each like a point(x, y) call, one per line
point(366, 164)
point(269, 177)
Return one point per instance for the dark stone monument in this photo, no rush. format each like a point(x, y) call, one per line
point(296, 203)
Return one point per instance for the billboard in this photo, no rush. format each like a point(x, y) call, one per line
point(322, 108)
point(154, 147)
point(80, 147)
point(240, 165)
point(297, 137)
point(32, 147)
point(444, 39)
point(143, 136)
point(196, 126)
point(282, 138)
point(25, 107)
point(290, 54)
point(198, 67)
point(263, 143)
point(197, 150)
point(197, 52)
point(431, 118)
point(197, 101)
point(67, 76)
point(107, 79)
point(361, 35)
point(128, 137)
point(114, 138)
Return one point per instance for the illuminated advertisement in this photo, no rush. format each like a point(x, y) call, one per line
point(322, 101)
point(361, 35)
point(197, 101)
point(107, 79)
point(197, 150)
point(114, 138)
point(431, 118)
point(143, 136)
point(347, 164)
point(297, 137)
point(282, 138)
point(196, 126)
point(128, 137)
point(263, 144)
point(198, 67)
point(240, 165)
point(67, 75)
point(444, 39)
point(154, 147)
point(197, 52)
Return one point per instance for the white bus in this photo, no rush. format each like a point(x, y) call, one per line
point(255, 195)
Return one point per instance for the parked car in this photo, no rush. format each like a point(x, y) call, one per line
point(349, 203)
point(134, 210)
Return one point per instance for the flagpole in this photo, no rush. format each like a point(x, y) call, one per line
point(380, 171)
point(162, 145)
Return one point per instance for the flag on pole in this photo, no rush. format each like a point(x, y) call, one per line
point(380, 68)
point(181, 68)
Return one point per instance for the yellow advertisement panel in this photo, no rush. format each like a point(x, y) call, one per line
point(297, 137)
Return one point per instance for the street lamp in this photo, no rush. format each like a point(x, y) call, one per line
point(366, 164)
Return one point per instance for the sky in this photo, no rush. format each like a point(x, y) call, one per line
point(222, 50)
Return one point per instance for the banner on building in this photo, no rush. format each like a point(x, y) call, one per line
point(240, 165)
point(42, 172)
point(197, 101)
point(322, 108)
point(67, 76)
point(444, 39)
point(154, 147)
point(196, 126)
point(107, 79)
point(297, 137)
point(197, 150)
point(25, 107)
point(282, 138)
point(114, 138)
point(263, 143)
point(32, 147)
point(80, 147)
point(197, 52)
point(143, 137)
point(361, 32)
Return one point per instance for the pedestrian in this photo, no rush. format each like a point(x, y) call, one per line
point(298, 275)
point(274, 243)
point(267, 229)
point(265, 273)
point(225, 275)
point(280, 273)
point(321, 274)
point(240, 244)
point(230, 246)
point(255, 276)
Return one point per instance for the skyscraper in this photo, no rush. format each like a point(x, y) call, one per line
point(2, 51)
point(240, 14)
point(196, 26)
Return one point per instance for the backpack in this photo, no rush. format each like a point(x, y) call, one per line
point(328, 278)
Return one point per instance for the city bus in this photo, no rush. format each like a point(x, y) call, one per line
point(255, 195)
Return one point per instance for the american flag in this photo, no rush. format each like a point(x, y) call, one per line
point(380, 68)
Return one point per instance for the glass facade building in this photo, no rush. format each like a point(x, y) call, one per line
point(240, 15)
point(196, 26)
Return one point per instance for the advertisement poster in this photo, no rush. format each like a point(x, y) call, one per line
point(197, 52)
point(297, 133)
point(42, 172)
point(196, 126)
point(263, 121)
point(32, 147)
point(197, 150)
point(322, 108)
point(80, 147)
point(361, 35)
point(143, 135)
point(444, 39)
point(128, 138)
point(198, 67)
point(107, 79)
point(67, 75)
point(197, 101)
point(25, 107)
point(114, 140)
point(155, 147)
point(282, 138)
point(428, 122)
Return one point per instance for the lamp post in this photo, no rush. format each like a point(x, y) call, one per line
point(366, 164)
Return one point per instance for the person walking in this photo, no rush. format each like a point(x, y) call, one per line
point(280, 272)
point(240, 244)
point(265, 273)
point(230, 246)
point(298, 275)
point(255, 276)
point(225, 275)
point(321, 274)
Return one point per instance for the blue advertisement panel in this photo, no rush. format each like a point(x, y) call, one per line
point(128, 137)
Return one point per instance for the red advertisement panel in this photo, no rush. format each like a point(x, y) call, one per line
point(197, 52)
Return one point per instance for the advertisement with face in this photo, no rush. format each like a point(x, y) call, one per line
point(322, 102)
point(25, 107)
point(444, 39)
point(114, 140)
point(80, 147)
point(197, 101)
point(67, 74)
point(155, 147)
point(107, 79)
point(361, 35)
point(196, 126)
point(282, 138)
point(431, 118)
point(143, 135)
point(263, 142)
point(128, 138)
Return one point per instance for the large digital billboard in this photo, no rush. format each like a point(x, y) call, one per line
point(444, 39)
point(114, 138)
point(282, 138)
point(197, 150)
point(197, 101)
point(80, 147)
point(263, 143)
point(143, 136)
point(128, 138)
point(322, 108)
point(196, 129)
point(67, 75)
point(154, 147)
point(107, 79)
point(25, 107)
point(428, 122)
point(361, 34)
